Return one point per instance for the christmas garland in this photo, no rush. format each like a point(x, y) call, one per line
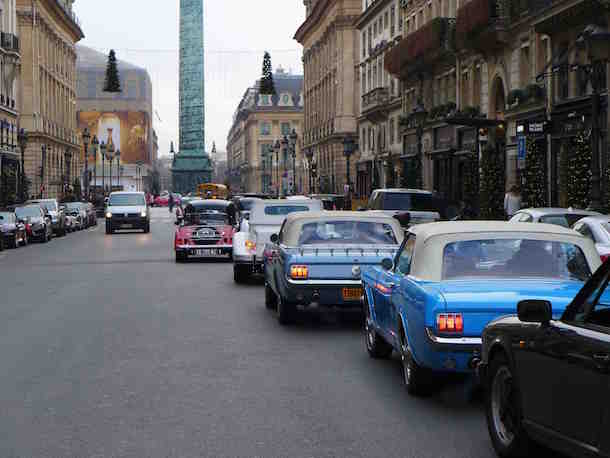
point(578, 176)
point(534, 186)
point(492, 185)
point(470, 182)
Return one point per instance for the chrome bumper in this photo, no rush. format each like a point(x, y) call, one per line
point(324, 282)
point(453, 343)
point(203, 247)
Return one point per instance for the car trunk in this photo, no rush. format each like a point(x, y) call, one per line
point(483, 300)
point(338, 262)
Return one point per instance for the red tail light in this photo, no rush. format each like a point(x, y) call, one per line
point(450, 322)
point(299, 272)
point(604, 257)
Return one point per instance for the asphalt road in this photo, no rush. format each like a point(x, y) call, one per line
point(110, 349)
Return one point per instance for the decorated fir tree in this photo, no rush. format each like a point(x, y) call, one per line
point(267, 86)
point(470, 182)
point(492, 185)
point(578, 176)
point(112, 82)
point(534, 186)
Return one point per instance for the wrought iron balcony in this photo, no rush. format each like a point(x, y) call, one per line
point(375, 104)
point(481, 25)
point(420, 51)
point(9, 42)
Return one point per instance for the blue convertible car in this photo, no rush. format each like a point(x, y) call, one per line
point(432, 301)
point(317, 258)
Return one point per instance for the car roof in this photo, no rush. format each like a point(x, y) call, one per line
point(323, 214)
point(595, 219)
point(461, 227)
point(404, 191)
point(209, 202)
point(118, 193)
point(557, 211)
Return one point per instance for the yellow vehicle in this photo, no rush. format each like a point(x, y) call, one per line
point(212, 191)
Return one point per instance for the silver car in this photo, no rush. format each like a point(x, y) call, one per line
point(127, 210)
point(596, 228)
point(565, 217)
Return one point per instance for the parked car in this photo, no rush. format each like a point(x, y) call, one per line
point(266, 218)
point(450, 279)
point(37, 222)
point(317, 257)
point(565, 217)
point(71, 223)
point(548, 377)
point(12, 232)
point(409, 206)
point(127, 210)
point(163, 200)
point(596, 228)
point(56, 212)
point(77, 213)
point(331, 201)
point(205, 230)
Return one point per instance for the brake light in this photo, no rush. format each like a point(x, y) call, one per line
point(604, 257)
point(299, 272)
point(250, 245)
point(450, 322)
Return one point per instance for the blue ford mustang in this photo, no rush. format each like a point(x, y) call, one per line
point(448, 280)
point(317, 259)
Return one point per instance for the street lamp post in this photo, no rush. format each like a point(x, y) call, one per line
point(285, 145)
point(86, 139)
point(277, 148)
point(95, 143)
point(309, 155)
point(349, 146)
point(293, 150)
point(23, 141)
point(103, 154)
point(42, 167)
point(118, 167)
point(419, 115)
point(110, 153)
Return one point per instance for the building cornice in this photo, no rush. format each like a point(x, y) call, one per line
point(313, 19)
point(371, 11)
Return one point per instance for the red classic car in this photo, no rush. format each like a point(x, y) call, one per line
point(205, 230)
point(163, 200)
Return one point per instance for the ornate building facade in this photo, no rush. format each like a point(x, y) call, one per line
point(331, 80)
point(260, 121)
point(48, 32)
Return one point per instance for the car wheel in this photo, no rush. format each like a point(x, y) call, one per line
point(45, 236)
point(285, 312)
point(415, 377)
point(109, 229)
point(181, 256)
point(376, 346)
point(14, 243)
point(1, 243)
point(270, 298)
point(240, 273)
point(503, 409)
point(147, 228)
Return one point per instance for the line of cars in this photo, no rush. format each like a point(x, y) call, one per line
point(41, 219)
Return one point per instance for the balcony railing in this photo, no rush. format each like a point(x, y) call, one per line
point(9, 42)
point(419, 50)
point(481, 24)
point(375, 98)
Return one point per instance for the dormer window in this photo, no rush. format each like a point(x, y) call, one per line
point(264, 100)
point(286, 100)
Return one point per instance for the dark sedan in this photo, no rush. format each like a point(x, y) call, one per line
point(37, 222)
point(12, 232)
point(549, 381)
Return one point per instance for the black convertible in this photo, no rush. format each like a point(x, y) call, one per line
point(549, 381)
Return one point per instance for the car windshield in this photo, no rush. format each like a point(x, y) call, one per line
point(50, 205)
point(205, 216)
point(514, 258)
point(72, 206)
point(126, 200)
point(282, 210)
point(567, 220)
point(6, 217)
point(346, 233)
point(27, 212)
point(408, 201)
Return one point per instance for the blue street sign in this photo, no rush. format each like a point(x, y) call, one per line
point(521, 152)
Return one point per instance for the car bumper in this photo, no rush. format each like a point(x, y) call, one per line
point(257, 266)
point(325, 293)
point(200, 250)
point(122, 223)
point(451, 354)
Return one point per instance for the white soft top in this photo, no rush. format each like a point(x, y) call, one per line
point(431, 239)
point(258, 215)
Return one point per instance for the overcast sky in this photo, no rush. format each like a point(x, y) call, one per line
point(237, 33)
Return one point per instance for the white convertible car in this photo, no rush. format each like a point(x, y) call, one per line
point(266, 218)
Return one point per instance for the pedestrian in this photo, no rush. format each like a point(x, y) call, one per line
point(171, 202)
point(512, 201)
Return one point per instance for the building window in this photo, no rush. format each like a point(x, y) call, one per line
point(392, 87)
point(420, 19)
point(392, 20)
point(524, 65)
point(400, 19)
point(465, 90)
point(429, 18)
point(370, 36)
point(363, 136)
point(363, 82)
point(407, 26)
point(265, 100)
point(265, 128)
point(364, 44)
point(375, 29)
point(391, 131)
point(476, 87)
point(385, 20)
point(285, 128)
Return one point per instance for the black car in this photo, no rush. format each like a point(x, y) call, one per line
point(12, 232)
point(549, 381)
point(37, 222)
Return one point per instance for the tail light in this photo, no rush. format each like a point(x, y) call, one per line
point(450, 322)
point(299, 272)
point(604, 257)
point(250, 245)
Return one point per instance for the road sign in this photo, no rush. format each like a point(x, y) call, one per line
point(521, 152)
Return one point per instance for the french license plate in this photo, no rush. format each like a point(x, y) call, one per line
point(206, 252)
point(352, 294)
point(126, 226)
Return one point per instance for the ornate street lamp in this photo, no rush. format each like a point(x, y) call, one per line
point(95, 143)
point(103, 154)
point(42, 167)
point(110, 157)
point(349, 146)
point(419, 115)
point(293, 150)
point(277, 148)
point(309, 155)
point(86, 139)
point(285, 145)
point(22, 138)
point(118, 167)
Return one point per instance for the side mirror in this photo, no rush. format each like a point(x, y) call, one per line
point(403, 218)
point(387, 264)
point(535, 311)
point(274, 238)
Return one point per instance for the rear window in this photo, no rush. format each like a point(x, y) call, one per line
point(407, 201)
point(514, 258)
point(561, 220)
point(281, 210)
point(347, 233)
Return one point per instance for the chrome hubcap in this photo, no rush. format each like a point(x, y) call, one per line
point(370, 333)
point(502, 406)
point(406, 366)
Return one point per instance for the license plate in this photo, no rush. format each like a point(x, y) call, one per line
point(352, 294)
point(126, 226)
point(206, 252)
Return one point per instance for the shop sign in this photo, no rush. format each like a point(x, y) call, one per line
point(534, 128)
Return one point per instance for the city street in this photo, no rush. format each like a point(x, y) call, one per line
point(110, 349)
